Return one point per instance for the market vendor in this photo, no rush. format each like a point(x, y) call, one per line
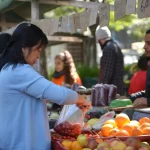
point(145, 101)
point(23, 115)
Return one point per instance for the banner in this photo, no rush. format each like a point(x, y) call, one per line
point(104, 14)
point(131, 7)
point(120, 9)
point(143, 8)
point(84, 20)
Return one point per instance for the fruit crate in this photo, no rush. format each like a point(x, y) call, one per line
point(142, 138)
point(56, 145)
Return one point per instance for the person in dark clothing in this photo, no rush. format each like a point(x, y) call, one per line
point(4, 40)
point(145, 99)
point(111, 64)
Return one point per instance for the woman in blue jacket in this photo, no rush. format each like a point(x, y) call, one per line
point(23, 115)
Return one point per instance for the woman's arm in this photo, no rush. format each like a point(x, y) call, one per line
point(32, 83)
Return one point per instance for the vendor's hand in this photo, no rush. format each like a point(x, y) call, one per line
point(140, 102)
point(83, 103)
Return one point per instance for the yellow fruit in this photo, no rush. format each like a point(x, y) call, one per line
point(67, 144)
point(122, 133)
point(111, 121)
point(137, 132)
point(146, 131)
point(121, 119)
point(113, 132)
point(92, 122)
point(144, 120)
point(135, 123)
point(144, 125)
point(75, 146)
point(128, 127)
point(106, 129)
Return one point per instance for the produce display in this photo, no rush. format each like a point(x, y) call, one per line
point(83, 142)
point(100, 128)
point(123, 126)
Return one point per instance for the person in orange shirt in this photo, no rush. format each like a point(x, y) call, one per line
point(65, 70)
point(65, 73)
point(138, 81)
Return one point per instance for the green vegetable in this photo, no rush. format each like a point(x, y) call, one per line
point(120, 103)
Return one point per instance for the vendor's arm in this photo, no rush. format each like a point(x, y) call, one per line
point(141, 102)
point(33, 84)
point(108, 64)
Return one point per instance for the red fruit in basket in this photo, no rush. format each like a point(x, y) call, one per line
point(134, 142)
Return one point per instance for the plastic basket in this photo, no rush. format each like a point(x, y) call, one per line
point(56, 145)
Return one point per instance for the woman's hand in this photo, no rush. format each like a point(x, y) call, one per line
point(140, 102)
point(83, 103)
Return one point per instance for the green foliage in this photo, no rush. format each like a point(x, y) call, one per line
point(63, 11)
point(86, 71)
point(122, 23)
point(50, 74)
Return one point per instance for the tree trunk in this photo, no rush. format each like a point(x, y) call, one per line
point(41, 63)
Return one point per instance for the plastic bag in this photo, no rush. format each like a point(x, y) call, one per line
point(95, 112)
point(103, 119)
point(70, 122)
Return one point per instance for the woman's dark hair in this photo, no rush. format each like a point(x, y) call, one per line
point(143, 63)
point(4, 40)
point(69, 67)
point(148, 31)
point(26, 35)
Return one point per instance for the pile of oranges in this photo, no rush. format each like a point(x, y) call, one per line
point(122, 126)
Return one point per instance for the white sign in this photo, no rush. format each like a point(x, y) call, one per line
point(53, 26)
point(93, 15)
point(62, 27)
point(77, 21)
point(143, 8)
point(120, 9)
point(72, 24)
point(84, 20)
point(104, 14)
point(131, 7)
point(45, 25)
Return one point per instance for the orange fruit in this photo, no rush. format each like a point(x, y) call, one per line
point(143, 120)
point(67, 144)
point(113, 132)
point(106, 129)
point(128, 127)
point(122, 133)
point(111, 121)
point(135, 123)
point(121, 119)
point(137, 132)
point(146, 131)
point(144, 125)
point(75, 146)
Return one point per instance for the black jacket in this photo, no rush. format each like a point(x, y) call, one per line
point(112, 66)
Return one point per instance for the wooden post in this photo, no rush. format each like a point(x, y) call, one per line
point(3, 25)
point(35, 16)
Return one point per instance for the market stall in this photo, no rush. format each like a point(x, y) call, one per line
point(104, 126)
